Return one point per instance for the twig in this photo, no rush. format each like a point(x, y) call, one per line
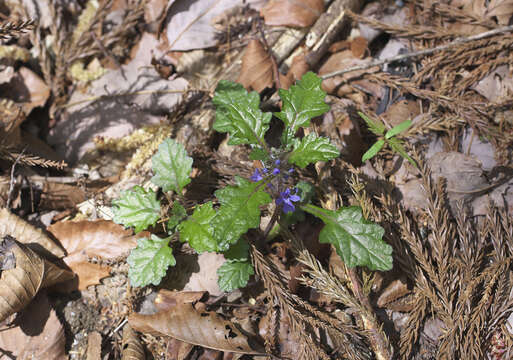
point(11, 182)
point(276, 74)
point(454, 43)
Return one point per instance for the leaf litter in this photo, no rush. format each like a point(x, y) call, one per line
point(448, 293)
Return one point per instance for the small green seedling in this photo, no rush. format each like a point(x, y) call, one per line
point(222, 228)
point(389, 138)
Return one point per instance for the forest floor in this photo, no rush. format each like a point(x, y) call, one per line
point(90, 89)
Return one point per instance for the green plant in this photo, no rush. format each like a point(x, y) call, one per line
point(222, 228)
point(389, 138)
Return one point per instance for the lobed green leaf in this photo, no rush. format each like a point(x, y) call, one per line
point(238, 113)
point(149, 261)
point(239, 211)
point(311, 149)
point(357, 241)
point(197, 229)
point(301, 103)
point(178, 213)
point(171, 166)
point(234, 275)
point(136, 207)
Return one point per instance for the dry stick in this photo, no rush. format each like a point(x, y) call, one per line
point(454, 43)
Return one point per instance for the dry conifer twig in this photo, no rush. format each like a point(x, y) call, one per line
point(454, 43)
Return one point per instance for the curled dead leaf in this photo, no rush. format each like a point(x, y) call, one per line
point(19, 285)
point(132, 347)
point(206, 329)
point(297, 13)
point(86, 239)
point(167, 299)
point(25, 233)
point(256, 69)
point(39, 334)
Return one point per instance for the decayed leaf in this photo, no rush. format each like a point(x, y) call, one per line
point(132, 347)
point(298, 13)
point(19, 285)
point(25, 233)
point(167, 299)
point(206, 329)
point(502, 9)
point(85, 239)
point(256, 69)
point(39, 334)
point(28, 88)
point(190, 23)
point(59, 196)
point(401, 111)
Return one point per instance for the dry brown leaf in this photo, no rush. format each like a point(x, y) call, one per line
point(25, 233)
point(395, 290)
point(206, 329)
point(39, 334)
point(339, 85)
point(178, 350)
point(257, 68)
point(297, 13)
point(502, 9)
point(132, 347)
point(20, 284)
point(85, 239)
point(359, 47)
point(298, 68)
point(167, 299)
point(99, 238)
point(28, 88)
point(11, 118)
point(401, 111)
point(59, 196)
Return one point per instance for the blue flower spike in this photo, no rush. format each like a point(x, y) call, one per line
point(286, 199)
point(257, 176)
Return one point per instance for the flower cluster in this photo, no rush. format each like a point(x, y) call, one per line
point(285, 198)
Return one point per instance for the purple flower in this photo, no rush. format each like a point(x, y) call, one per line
point(257, 176)
point(276, 171)
point(286, 199)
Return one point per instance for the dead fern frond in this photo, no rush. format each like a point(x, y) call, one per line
point(9, 30)
point(30, 160)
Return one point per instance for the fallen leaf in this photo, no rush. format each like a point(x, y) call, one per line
point(167, 299)
point(296, 13)
point(100, 238)
point(143, 98)
point(359, 47)
point(206, 329)
point(497, 86)
point(86, 239)
point(401, 111)
point(27, 88)
point(19, 285)
point(38, 334)
point(59, 196)
point(256, 69)
point(395, 290)
point(11, 118)
point(25, 233)
point(190, 24)
point(502, 9)
point(131, 345)
point(154, 10)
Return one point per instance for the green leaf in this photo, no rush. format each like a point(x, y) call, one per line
point(357, 241)
point(306, 191)
point(149, 261)
point(374, 149)
point(239, 211)
point(238, 252)
point(311, 149)
point(397, 146)
point(171, 166)
point(137, 207)
point(398, 129)
point(197, 229)
point(301, 102)
point(376, 127)
point(234, 275)
point(258, 154)
point(178, 213)
point(238, 113)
